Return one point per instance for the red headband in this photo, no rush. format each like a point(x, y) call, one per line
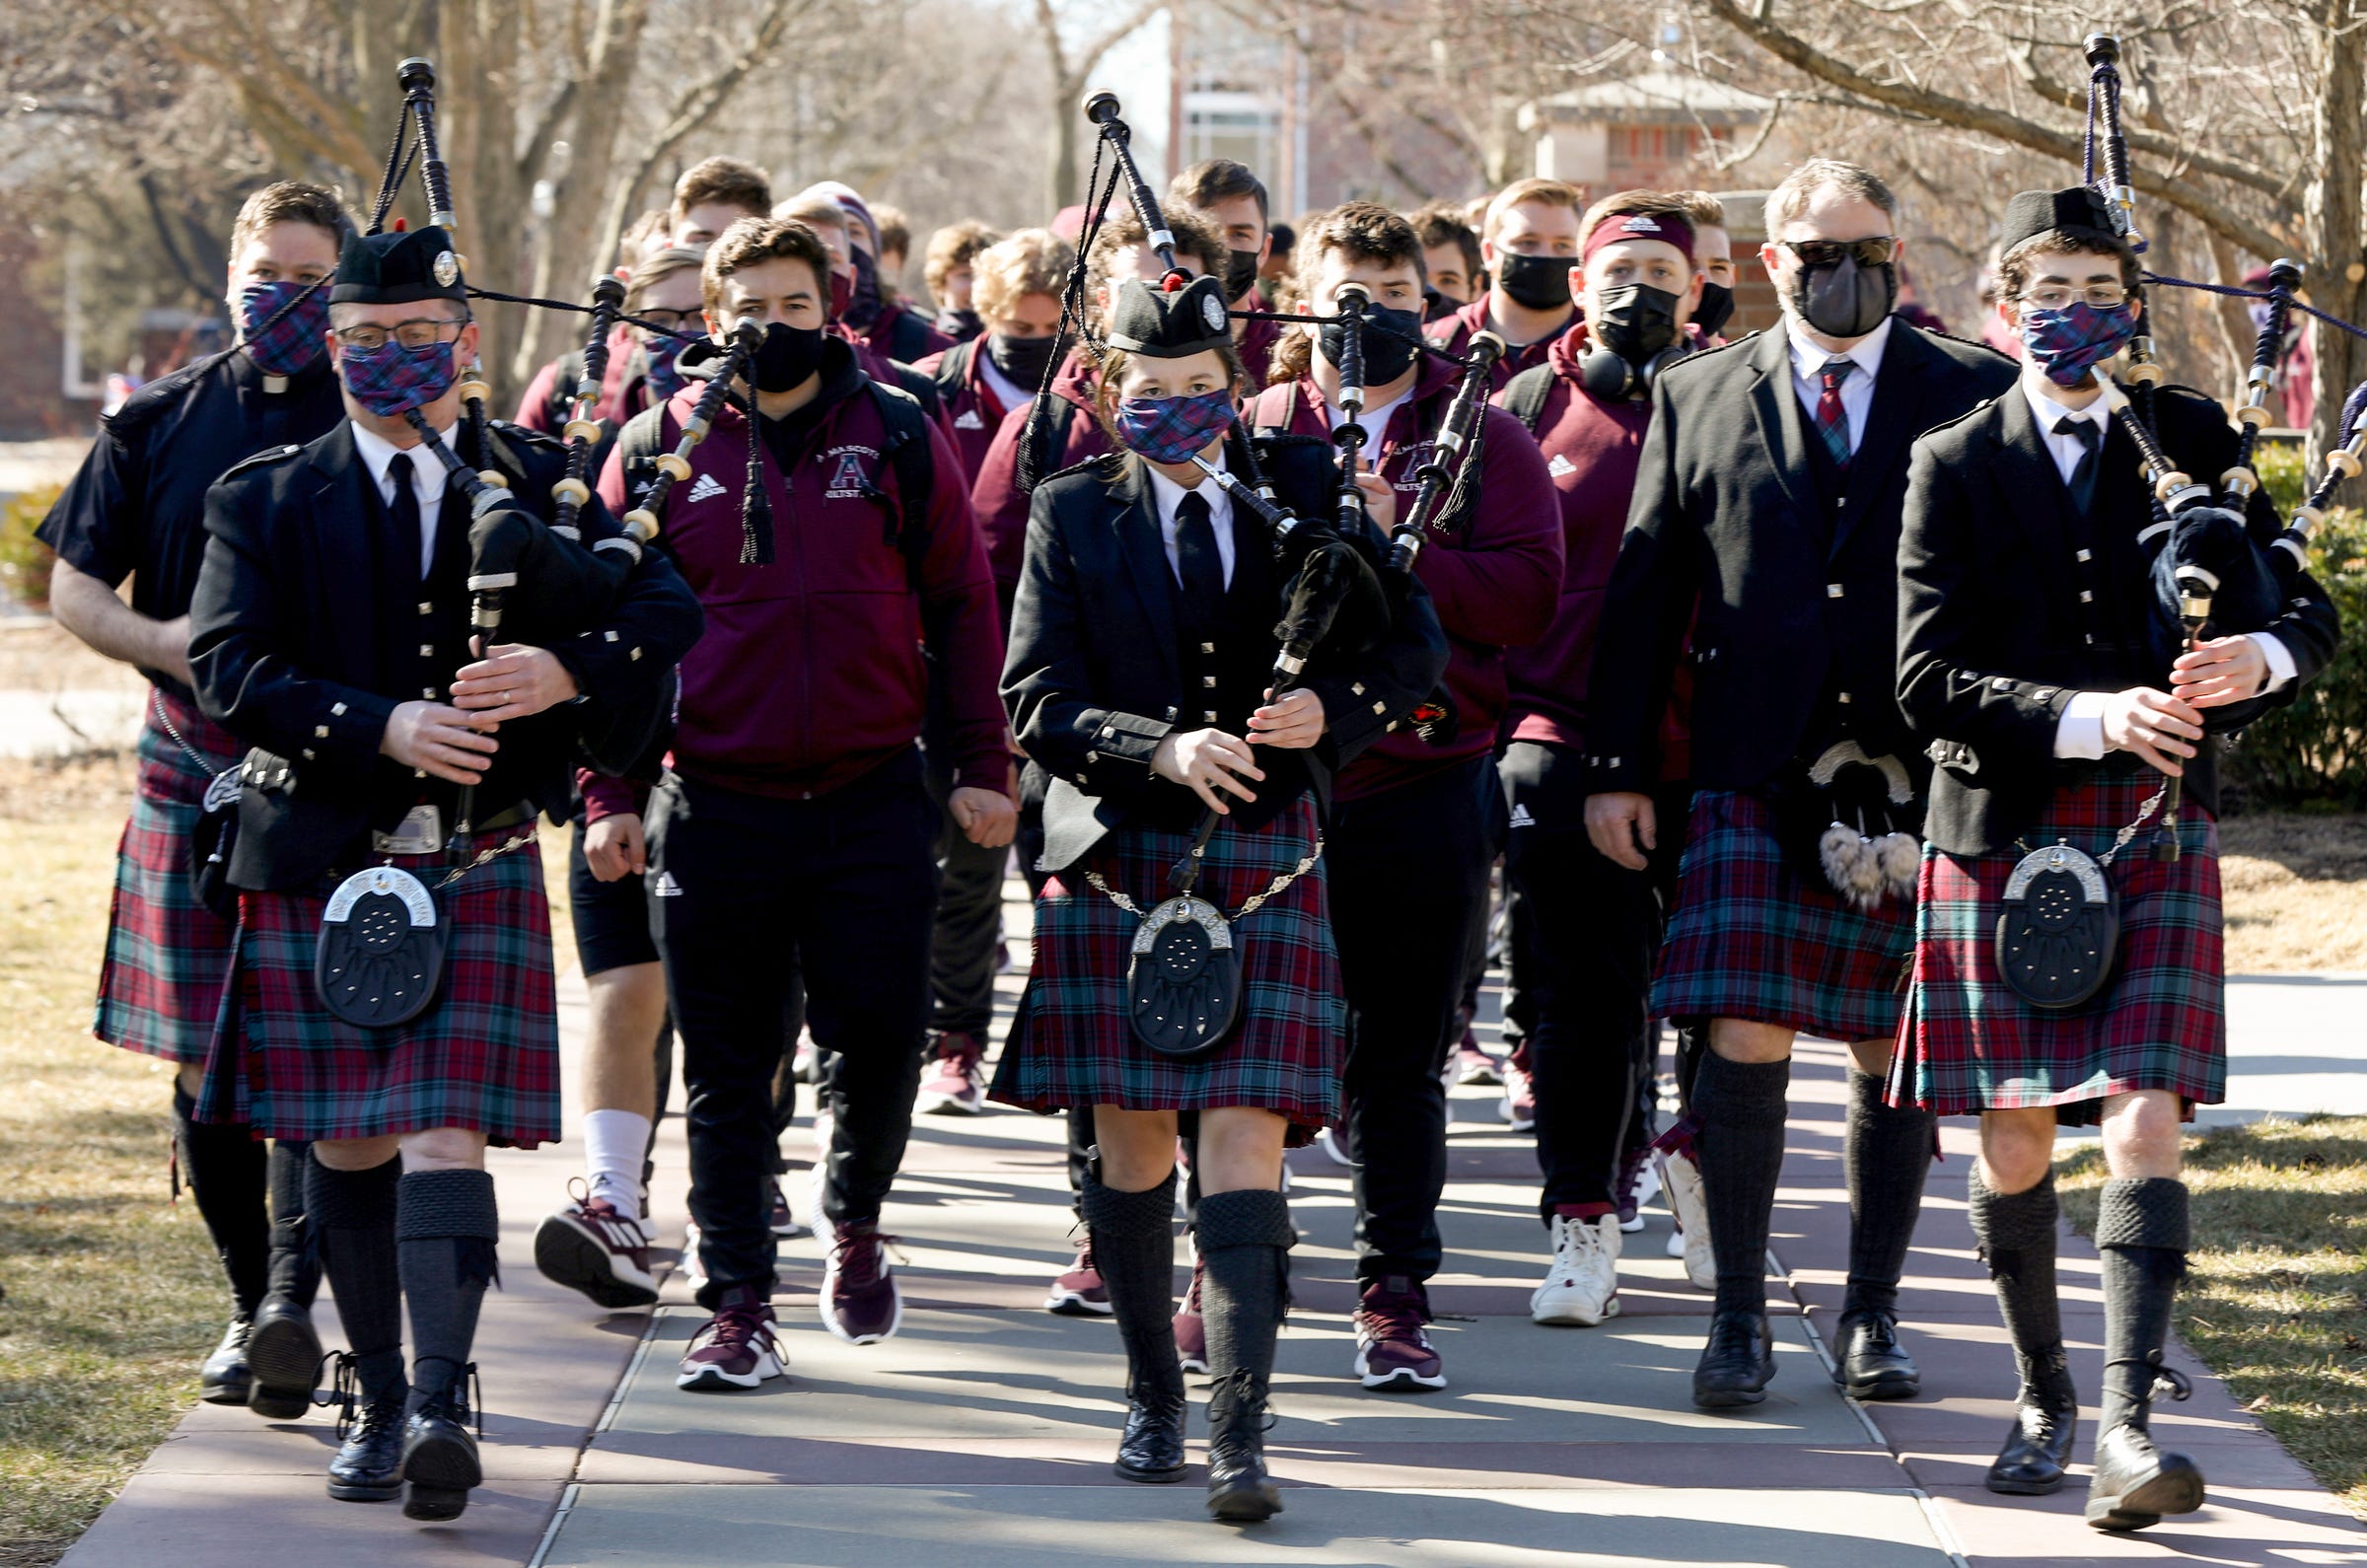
point(1669, 226)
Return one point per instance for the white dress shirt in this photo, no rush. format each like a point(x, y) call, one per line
point(1168, 495)
point(2079, 733)
point(428, 481)
point(1857, 388)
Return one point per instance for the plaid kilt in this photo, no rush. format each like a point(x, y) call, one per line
point(485, 1056)
point(1968, 1044)
point(1752, 938)
point(168, 956)
point(1072, 1045)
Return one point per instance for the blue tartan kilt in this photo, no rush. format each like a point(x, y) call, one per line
point(484, 1056)
point(1752, 938)
point(1071, 1044)
point(1969, 1043)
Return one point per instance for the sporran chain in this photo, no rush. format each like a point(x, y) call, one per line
point(1275, 889)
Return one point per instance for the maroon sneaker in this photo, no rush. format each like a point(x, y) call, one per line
point(956, 1084)
point(860, 1303)
point(1473, 1065)
point(781, 1221)
point(589, 1246)
point(1391, 1351)
point(1080, 1293)
point(736, 1348)
point(1191, 1333)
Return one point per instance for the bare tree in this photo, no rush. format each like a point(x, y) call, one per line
point(1070, 67)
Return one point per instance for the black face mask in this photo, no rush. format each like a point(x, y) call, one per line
point(1846, 300)
point(786, 357)
point(1716, 310)
point(865, 307)
point(1240, 275)
point(1386, 354)
point(1023, 360)
point(1535, 282)
point(1635, 321)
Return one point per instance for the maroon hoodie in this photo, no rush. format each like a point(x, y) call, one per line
point(995, 494)
point(1494, 585)
point(811, 673)
point(623, 394)
point(1258, 338)
point(972, 409)
point(1450, 333)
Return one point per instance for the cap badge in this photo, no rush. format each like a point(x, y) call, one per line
point(447, 268)
point(1212, 310)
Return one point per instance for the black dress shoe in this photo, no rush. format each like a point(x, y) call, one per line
point(2037, 1452)
point(284, 1354)
point(2136, 1483)
point(1737, 1362)
point(1152, 1449)
point(225, 1378)
point(438, 1454)
point(1869, 1363)
point(368, 1468)
point(1240, 1491)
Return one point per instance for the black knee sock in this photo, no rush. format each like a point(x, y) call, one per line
point(1740, 1106)
point(295, 1266)
point(352, 1215)
point(1885, 1151)
point(1135, 1247)
point(445, 1232)
point(1245, 1240)
point(224, 1167)
point(2016, 1232)
point(2141, 1233)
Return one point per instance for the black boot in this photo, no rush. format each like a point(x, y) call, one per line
point(2016, 1232)
point(1868, 1361)
point(1737, 1362)
point(2037, 1452)
point(224, 1169)
point(1886, 1154)
point(1245, 1240)
point(284, 1349)
point(439, 1452)
point(225, 1376)
point(2141, 1233)
point(370, 1394)
point(1240, 1491)
point(1134, 1245)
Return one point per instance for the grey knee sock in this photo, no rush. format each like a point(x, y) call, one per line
point(2141, 1233)
point(448, 1227)
point(1134, 1248)
point(1740, 1106)
point(1245, 1240)
point(2016, 1232)
point(352, 1216)
point(1885, 1151)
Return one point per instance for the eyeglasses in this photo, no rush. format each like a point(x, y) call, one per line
point(1829, 252)
point(671, 321)
point(412, 335)
point(2056, 297)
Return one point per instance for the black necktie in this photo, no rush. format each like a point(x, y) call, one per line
point(2083, 474)
point(1198, 564)
point(404, 509)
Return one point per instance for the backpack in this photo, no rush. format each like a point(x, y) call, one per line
point(1524, 397)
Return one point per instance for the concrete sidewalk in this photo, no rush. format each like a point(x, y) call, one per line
point(983, 1433)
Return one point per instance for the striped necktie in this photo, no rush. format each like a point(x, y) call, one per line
point(1833, 420)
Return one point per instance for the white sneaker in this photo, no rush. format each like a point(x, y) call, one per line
point(1681, 1183)
point(1583, 1285)
point(803, 1059)
point(695, 1273)
point(1518, 1107)
point(1334, 1150)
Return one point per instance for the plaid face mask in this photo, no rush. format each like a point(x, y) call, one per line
point(664, 377)
point(2064, 343)
point(1170, 430)
point(393, 379)
point(280, 337)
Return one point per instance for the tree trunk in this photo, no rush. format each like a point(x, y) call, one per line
point(2337, 263)
point(1061, 174)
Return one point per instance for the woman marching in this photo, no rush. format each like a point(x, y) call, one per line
point(1142, 642)
point(2067, 964)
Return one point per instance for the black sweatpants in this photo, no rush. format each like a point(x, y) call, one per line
point(1407, 887)
point(1585, 932)
point(751, 891)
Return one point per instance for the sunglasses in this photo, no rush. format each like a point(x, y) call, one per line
point(1829, 252)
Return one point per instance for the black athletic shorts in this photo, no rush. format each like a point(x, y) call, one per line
point(611, 919)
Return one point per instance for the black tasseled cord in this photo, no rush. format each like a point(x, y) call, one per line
point(755, 506)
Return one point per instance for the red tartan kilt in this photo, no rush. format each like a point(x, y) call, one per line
point(484, 1056)
point(1969, 1043)
point(1072, 1045)
point(168, 956)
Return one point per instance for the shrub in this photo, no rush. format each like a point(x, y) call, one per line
point(24, 561)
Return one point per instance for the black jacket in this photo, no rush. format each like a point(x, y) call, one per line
point(1093, 679)
point(1994, 635)
point(303, 647)
point(1793, 647)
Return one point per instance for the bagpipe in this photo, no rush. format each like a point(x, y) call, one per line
point(2209, 575)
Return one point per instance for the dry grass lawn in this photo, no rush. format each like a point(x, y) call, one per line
point(2296, 893)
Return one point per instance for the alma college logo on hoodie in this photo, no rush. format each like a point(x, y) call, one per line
point(849, 480)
